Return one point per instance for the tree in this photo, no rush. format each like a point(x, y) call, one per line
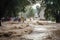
point(29, 12)
point(9, 8)
point(52, 11)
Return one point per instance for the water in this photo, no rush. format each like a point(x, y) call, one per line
point(44, 32)
point(40, 32)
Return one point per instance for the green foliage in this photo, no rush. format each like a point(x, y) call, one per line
point(30, 12)
point(49, 15)
point(12, 7)
point(52, 8)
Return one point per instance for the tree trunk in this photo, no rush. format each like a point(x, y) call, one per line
point(58, 19)
point(0, 22)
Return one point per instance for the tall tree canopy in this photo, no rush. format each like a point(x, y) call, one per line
point(52, 11)
point(10, 8)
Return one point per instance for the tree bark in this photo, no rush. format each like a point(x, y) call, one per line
point(58, 19)
point(0, 22)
